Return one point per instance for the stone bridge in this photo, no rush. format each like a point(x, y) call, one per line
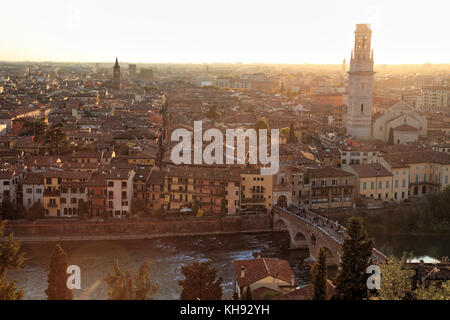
point(308, 230)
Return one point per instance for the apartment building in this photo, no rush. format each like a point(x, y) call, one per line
point(215, 189)
point(358, 154)
point(9, 181)
point(120, 191)
point(97, 195)
point(54, 181)
point(72, 194)
point(256, 191)
point(434, 99)
point(427, 171)
point(324, 187)
point(32, 189)
point(372, 181)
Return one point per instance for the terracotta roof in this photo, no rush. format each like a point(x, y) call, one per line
point(306, 292)
point(33, 178)
point(261, 268)
point(6, 174)
point(405, 127)
point(327, 172)
point(371, 170)
point(402, 158)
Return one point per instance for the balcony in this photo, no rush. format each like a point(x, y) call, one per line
point(248, 201)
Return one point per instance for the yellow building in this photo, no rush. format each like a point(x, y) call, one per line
point(429, 171)
point(52, 189)
point(325, 187)
point(256, 191)
point(373, 181)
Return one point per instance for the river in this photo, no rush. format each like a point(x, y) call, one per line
point(96, 259)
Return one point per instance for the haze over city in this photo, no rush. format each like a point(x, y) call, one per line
point(294, 32)
point(244, 151)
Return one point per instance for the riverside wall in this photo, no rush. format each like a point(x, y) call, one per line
point(74, 230)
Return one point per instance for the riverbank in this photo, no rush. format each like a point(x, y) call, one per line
point(49, 230)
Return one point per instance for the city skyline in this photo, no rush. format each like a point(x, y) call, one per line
point(201, 32)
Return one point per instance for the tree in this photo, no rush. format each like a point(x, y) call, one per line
point(433, 292)
point(57, 276)
point(55, 140)
point(285, 132)
point(248, 295)
point(213, 113)
point(356, 252)
point(292, 137)
point(261, 123)
point(35, 212)
point(159, 212)
point(138, 207)
point(223, 207)
point(200, 282)
point(35, 128)
point(129, 286)
point(199, 213)
point(195, 206)
point(319, 281)
point(8, 210)
point(84, 209)
point(395, 280)
point(391, 137)
point(10, 259)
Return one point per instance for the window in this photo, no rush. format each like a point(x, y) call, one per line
point(124, 184)
point(372, 185)
point(364, 185)
point(362, 108)
point(387, 184)
point(29, 190)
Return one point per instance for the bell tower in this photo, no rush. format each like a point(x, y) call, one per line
point(360, 92)
point(116, 75)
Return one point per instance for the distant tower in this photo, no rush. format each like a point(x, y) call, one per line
point(117, 75)
point(344, 66)
point(132, 71)
point(359, 111)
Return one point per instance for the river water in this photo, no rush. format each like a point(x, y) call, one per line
point(96, 259)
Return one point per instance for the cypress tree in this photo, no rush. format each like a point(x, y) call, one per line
point(319, 281)
point(292, 138)
point(57, 277)
point(391, 137)
point(129, 286)
point(10, 259)
point(356, 252)
point(200, 282)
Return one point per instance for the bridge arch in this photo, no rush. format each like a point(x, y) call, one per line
point(299, 241)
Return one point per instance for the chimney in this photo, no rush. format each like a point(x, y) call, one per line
point(242, 272)
point(292, 281)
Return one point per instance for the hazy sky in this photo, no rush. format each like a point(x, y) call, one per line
point(278, 31)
